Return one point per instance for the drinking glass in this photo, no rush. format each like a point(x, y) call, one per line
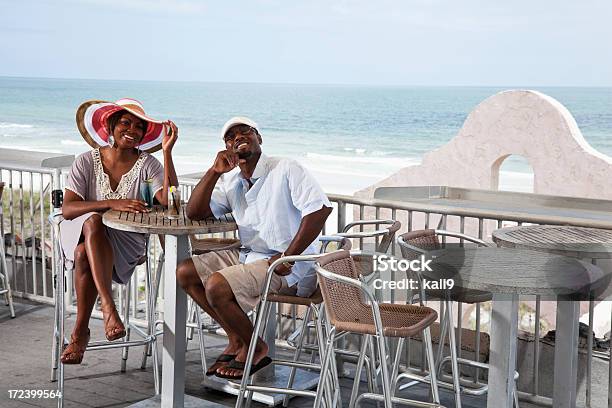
point(146, 192)
point(174, 203)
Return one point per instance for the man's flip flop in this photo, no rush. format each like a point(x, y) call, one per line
point(238, 365)
point(223, 358)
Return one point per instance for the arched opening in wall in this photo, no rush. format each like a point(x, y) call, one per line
point(512, 173)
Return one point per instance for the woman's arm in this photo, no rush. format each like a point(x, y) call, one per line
point(74, 205)
point(170, 178)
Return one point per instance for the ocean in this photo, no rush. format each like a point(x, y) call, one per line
point(348, 136)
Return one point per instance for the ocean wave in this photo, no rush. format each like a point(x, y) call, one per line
point(362, 151)
point(8, 125)
point(36, 149)
point(68, 142)
point(351, 160)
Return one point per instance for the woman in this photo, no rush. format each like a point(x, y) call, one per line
point(110, 177)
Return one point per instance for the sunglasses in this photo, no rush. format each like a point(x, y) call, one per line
point(234, 131)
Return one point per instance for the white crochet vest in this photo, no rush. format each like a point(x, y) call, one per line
point(105, 192)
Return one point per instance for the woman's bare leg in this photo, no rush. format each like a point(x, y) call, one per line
point(86, 298)
point(100, 256)
point(85, 290)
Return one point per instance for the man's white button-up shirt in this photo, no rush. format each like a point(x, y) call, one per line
point(269, 213)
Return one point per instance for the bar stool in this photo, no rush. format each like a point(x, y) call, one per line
point(328, 387)
point(316, 310)
point(148, 337)
point(313, 309)
point(384, 236)
point(413, 244)
point(352, 307)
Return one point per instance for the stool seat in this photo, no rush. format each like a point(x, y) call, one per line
point(398, 320)
point(314, 299)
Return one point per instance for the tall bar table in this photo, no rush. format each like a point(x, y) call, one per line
point(576, 242)
point(177, 233)
point(508, 273)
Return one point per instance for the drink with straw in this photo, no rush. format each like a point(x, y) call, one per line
point(174, 203)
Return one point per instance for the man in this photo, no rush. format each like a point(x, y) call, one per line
point(280, 210)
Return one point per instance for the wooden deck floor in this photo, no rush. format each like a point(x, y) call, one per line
point(25, 353)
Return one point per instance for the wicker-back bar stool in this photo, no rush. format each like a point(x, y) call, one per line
point(350, 306)
point(384, 235)
point(328, 387)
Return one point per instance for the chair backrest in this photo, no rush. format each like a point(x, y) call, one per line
point(414, 243)
point(345, 244)
point(342, 301)
point(386, 234)
point(331, 243)
point(389, 237)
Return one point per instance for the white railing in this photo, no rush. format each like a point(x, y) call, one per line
point(28, 237)
point(26, 199)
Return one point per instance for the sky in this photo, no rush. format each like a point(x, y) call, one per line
point(411, 42)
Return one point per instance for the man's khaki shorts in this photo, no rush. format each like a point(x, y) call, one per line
point(246, 280)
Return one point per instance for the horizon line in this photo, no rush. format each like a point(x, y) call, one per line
point(178, 81)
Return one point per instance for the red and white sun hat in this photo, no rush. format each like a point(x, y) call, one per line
point(92, 116)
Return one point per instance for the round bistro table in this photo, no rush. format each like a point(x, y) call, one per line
point(508, 273)
point(176, 249)
point(577, 242)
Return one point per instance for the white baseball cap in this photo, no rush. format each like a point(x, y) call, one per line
point(237, 120)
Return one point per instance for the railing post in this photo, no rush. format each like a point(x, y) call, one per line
point(341, 215)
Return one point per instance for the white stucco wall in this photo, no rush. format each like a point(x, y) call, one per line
point(526, 123)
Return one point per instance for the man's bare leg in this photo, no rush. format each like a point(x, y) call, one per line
point(191, 283)
point(223, 302)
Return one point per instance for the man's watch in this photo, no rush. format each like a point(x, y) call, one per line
point(287, 265)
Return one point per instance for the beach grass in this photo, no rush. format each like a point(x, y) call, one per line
point(26, 213)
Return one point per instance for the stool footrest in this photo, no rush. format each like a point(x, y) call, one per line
point(276, 390)
point(105, 345)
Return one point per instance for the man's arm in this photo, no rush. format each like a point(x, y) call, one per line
point(310, 228)
point(198, 206)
